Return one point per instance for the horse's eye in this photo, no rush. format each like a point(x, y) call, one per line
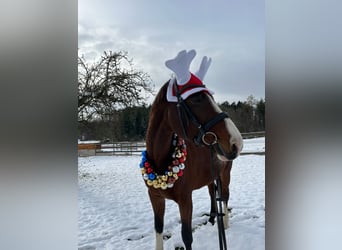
point(197, 98)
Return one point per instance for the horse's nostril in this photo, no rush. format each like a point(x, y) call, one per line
point(234, 149)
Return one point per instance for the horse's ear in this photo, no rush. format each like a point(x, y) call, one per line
point(202, 71)
point(180, 65)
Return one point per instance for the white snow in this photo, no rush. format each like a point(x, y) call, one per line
point(115, 211)
point(88, 142)
point(254, 145)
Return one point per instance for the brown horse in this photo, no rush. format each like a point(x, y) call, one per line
point(166, 120)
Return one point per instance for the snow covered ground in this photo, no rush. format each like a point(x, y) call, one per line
point(115, 211)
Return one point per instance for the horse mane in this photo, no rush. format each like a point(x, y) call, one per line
point(161, 96)
point(158, 113)
point(157, 110)
point(158, 106)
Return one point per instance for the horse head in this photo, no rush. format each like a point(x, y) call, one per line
point(200, 118)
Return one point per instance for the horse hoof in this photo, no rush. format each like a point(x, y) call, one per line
point(212, 220)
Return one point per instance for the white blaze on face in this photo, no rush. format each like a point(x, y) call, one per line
point(235, 136)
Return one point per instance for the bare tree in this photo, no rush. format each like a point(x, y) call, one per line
point(109, 84)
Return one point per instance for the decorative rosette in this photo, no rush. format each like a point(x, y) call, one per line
point(174, 170)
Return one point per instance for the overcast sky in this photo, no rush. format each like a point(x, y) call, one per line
point(230, 32)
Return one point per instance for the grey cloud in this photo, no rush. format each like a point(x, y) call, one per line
point(231, 33)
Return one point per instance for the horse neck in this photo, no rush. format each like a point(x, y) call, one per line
point(159, 133)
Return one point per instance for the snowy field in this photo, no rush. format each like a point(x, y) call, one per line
point(115, 211)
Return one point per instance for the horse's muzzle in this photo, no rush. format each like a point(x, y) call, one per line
point(226, 156)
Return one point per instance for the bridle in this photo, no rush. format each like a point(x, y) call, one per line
point(204, 136)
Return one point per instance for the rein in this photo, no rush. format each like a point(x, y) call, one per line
point(203, 138)
point(218, 203)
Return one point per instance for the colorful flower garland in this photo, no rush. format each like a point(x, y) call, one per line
point(175, 169)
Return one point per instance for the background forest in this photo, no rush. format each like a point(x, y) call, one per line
point(130, 124)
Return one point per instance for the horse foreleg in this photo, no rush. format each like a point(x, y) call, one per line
point(226, 215)
point(185, 209)
point(212, 216)
point(225, 180)
point(158, 206)
point(225, 197)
